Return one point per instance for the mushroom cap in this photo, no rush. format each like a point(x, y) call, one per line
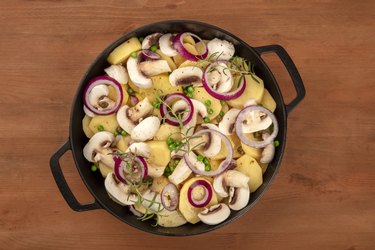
point(180, 173)
point(213, 146)
point(224, 50)
point(124, 121)
point(135, 74)
point(220, 77)
point(146, 129)
point(150, 40)
point(140, 148)
point(154, 67)
point(97, 142)
point(238, 197)
point(96, 93)
point(219, 186)
point(165, 44)
point(234, 178)
point(118, 72)
point(256, 121)
point(226, 125)
point(214, 214)
point(268, 152)
point(88, 112)
point(186, 76)
point(140, 110)
point(148, 196)
point(199, 108)
point(118, 191)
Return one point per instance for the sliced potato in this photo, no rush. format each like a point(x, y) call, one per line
point(188, 40)
point(250, 167)
point(159, 183)
point(191, 48)
point(113, 96)
point(178, 59)
point(123, 51)
point(200, 94)
point(161, 86)
point(85, 126)
point(202, 65)
point(263, 166)
point(253, 152)
point(104, 169)
point(166, 130)
point(108, 122)
point(235, 142)
point(253, 90)
point(123, 143)
point(268, 102)
point(169, 60)
point(189, 212)
point(160, 154)
point(170, 218)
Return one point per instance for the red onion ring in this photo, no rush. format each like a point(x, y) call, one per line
point(223, 96)
point(170, 197)
point(223, 165)
point(148, 54)
point(106, 80)
point(120, 169)
point(252, 143)
point(207, 197)
point(178, 44)
point(168, 117)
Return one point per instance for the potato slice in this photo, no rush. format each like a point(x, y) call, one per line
point(169, 60)
point(250, 167)
point(85, 126)
point(178, 60)
point(159, 183)
point(235, 142)
point(123, 51)
point(170, 218)
point(189, 212)
point(160, 154)
point(108, 122)
point(123, 143)
point(268, 102)
point(161, 86)
point(202, 65)
point(200, 94)
point(188, 40)
point(253, 90)
point(104, 169)
point(191, 48)
point(113, 96)
point(166, 130)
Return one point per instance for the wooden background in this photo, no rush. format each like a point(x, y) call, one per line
point(323, 196)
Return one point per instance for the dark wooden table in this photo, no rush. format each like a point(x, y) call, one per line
point(323, 196)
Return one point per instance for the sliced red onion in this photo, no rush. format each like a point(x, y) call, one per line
point(178, 44)
point(207, 193)
point(133, 100)
point(165, 111)
point(170, 197)
point(122, 173)
point(103, 80)
point(223, 96)
point(239, 125)
point(223, 165)
point(148, 54)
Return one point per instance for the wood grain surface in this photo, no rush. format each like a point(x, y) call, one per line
point(323, 195)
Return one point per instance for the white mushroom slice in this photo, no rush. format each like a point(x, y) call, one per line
point(119, 191)
point(118, 73)
point(123, 120)
point(150, 40)
point(152, 200)
point(199, 108)
point(155, 171)
point(186, 76)
point(98, 142)
point(106, 157)
point(220, 187)
point(226, 125)
point(195, 162)
point(222, 49)
point(256, 121)
point(88, 112)
point(135, 74)
point(219, 78)
point(154, 67)
point(98, 97)
point(214, 214)
point(250, 102)
point(146, 129)
point(140, 110)
point(166, 45)
point(213, 145)
point(238, 198)
point(140, 148)
point(268, 152)
point(234, 178)
point(180, 173)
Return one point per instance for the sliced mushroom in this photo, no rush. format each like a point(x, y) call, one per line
point(98, 97)
point(180, 173)
point(255, 121)
point(250, 102)
point(195, 162)
point(234, 178)
point(213, 144)
point(214, 214)
point(166, 45)
point(118, 72)
point(155, 171)
point(140, 148)
point(140, 110)
point(123, 120)
point(152, 200)
point(106, 157)
point(226, 125)
point(150, 40)
point(238, 197)
point(199, 108)
point(146, 129)
point(186, 76)
point(220, 186)
point(118, 191)
point(88, 112)
point(222, 49)
point(219, 77)
point(268, 152)
point(97, 143)
point(154, 67)
point(135, 73)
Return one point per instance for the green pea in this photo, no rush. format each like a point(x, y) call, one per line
point(94, 168)
point(205, 161)
point(115, 133)
point(154, 48)
point(206, 120)
point(172, 146)
point(134, 54)
point(100, 128)
point(221, 113)
point(200, 157)
point(222, 103)
point(207, 167)
point(178, 143)
point(276, 143)
point(189, 95)
point(130, 91)
point(123, 133)
point(210, 111)
point(207, 103)
point(190, 89)
point(170, 141)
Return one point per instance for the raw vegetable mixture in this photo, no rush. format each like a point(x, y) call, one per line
point(181, 128)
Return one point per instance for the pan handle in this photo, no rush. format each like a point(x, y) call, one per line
point(63, 185)
point(292, 70)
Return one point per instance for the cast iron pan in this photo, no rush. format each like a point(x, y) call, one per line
point(95, 182)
